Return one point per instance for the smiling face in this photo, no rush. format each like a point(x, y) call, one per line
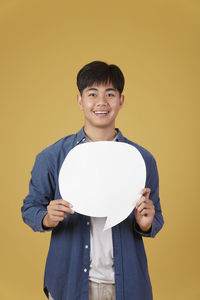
point(100, 105)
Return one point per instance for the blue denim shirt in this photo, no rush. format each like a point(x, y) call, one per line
point(68, 260)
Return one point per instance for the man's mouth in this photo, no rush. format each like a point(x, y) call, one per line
point(101, 112)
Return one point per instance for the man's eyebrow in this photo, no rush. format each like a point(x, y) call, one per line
point(95, 89)
point(111, 89)
point(90, 89)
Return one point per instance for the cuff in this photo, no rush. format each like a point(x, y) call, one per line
point(39, 218)
point(139, 231)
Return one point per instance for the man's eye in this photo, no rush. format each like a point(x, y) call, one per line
point(111, 95)
point(92, 94)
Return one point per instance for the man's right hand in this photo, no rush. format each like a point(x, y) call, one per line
point(57, 210)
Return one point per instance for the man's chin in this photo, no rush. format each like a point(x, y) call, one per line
point(103, 125)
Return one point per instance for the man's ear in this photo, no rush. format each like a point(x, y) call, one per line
point(121, 101)
point(79, 100)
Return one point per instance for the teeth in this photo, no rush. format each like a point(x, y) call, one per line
point(101, 112)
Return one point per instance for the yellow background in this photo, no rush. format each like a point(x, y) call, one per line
point(156, 44)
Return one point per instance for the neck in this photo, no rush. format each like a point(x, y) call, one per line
point(100, 134)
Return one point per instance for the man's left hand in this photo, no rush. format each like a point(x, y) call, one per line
point(144, 210)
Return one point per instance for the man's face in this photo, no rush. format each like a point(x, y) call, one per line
point(100, 105)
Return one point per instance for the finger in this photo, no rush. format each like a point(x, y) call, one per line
point(56, 213)
point(57, 219)
point(143, 200)
point(61, 202)
point(147, 212)
point(60, 208)
point(140, 201)
point(60, 205)
point(144, 205)
point(146, 192)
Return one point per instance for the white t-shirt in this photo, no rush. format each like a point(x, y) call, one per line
point(101, 250)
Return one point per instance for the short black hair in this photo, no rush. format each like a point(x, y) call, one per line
point(99, 72)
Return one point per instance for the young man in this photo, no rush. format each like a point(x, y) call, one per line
point(83, 261)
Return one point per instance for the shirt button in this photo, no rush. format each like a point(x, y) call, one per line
point(77, 142)
point(88, 223)
point(86, 246)
point(83, 139)
point(85, 270)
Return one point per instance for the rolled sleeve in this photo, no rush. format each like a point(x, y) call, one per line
point(41, 192)
point(152, 182)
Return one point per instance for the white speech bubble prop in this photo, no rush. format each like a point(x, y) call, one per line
point(103, 179)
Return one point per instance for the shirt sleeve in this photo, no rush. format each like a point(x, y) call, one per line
point(41, 192)
point(152, 182)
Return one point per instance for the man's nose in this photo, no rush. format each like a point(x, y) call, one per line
point(101, 100)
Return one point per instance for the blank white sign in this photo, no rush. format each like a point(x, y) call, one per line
point(103, 179)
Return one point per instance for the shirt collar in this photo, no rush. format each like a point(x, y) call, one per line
point(81, 136)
